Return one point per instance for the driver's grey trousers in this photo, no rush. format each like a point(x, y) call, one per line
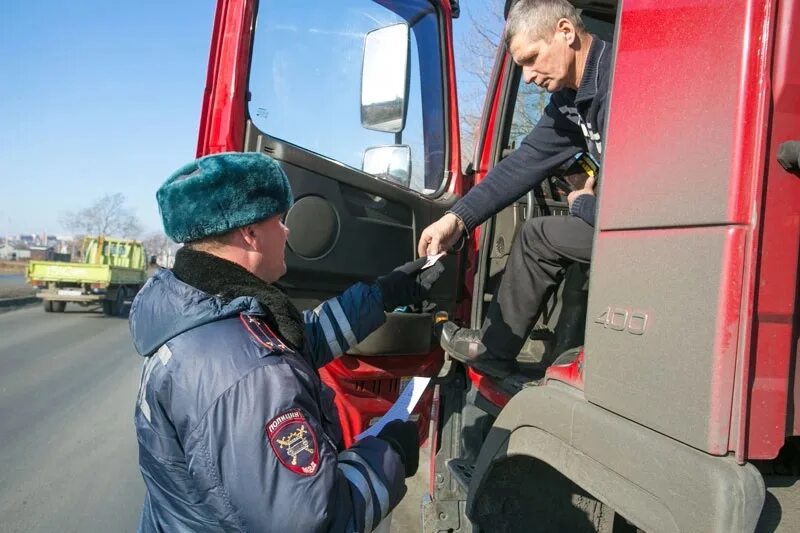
point(543, 248)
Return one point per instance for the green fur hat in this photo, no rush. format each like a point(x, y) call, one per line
point(217, 193)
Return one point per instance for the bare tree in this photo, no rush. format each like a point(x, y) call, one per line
point(477, 51)
point(158, 245)
point(108, 215)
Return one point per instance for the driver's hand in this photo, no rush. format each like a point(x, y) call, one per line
point(588, 188)
point(440, 236)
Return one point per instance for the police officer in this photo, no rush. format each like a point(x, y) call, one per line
point(236, 431)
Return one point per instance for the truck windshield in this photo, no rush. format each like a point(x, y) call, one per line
point(305, 80)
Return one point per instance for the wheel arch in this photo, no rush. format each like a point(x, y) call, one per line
point(654, 481)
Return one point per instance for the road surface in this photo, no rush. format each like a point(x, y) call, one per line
point(67, 445)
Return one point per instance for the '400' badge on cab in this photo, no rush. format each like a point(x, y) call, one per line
point(294, 443)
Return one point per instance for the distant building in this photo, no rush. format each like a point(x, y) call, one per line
point(7, 252)
point(41, 253)
point(10, 252)
point(33, 246)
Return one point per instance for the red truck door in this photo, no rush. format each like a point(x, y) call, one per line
point(351, 99)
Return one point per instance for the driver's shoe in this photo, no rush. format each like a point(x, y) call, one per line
point(465, 345)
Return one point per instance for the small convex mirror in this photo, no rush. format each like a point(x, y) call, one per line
point(390, 163)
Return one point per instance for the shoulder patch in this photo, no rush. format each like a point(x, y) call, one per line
point(262, 334)
point(293, 440)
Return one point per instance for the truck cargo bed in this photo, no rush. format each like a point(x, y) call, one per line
point(52, 271)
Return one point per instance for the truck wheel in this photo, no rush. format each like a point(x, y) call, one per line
point(48, 306)
point(118, 306)
point(59, 307)
point(107, 307)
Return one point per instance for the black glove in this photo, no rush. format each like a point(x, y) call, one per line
point(404, 439)
point(408, 284)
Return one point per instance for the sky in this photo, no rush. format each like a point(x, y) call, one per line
point(99, 97)
point(96, 97)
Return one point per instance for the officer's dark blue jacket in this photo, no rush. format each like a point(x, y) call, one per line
point(236, 432)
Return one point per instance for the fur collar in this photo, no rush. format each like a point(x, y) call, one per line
point(227, 280)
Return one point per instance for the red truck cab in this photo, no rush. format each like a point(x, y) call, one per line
point(676, 400)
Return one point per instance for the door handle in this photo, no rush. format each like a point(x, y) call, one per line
point(365, 199)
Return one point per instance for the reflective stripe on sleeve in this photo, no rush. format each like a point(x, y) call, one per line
point(344, 324)
point(375, 481)
point(327, 328)
point(357, 480)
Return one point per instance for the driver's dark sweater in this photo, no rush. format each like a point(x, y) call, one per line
point(572, 122)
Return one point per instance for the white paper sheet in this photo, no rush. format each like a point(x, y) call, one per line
point(401, 409)
point(431, 260)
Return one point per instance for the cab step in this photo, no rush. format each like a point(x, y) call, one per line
point(461, 470)
point(516, 382)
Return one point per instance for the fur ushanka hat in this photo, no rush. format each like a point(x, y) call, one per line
point(217, 193)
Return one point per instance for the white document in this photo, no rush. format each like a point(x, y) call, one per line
point(401, 409)
point(431, 260)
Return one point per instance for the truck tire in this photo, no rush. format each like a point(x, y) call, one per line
point(118, 305)
point(58, 307)
point(48, 306)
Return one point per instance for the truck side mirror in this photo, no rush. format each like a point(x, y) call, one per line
point(384, 78)
point(390, 163)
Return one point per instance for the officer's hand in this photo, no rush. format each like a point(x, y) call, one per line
point(408, 284)
point(440, 236)
point(404, 439)
point(588, 188)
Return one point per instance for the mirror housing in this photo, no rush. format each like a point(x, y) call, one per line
point(391, 163)
point(384, 78)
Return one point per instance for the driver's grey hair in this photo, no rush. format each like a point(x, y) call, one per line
point(538, 18)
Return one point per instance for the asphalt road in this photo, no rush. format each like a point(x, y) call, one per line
point(11, 279)
point(67, 444)
point(13, 286)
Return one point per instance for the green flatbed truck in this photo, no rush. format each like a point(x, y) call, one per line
point(112, 272)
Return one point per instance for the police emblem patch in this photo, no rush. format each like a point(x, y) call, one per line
point(294, 442)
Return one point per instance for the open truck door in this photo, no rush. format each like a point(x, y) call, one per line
point(354, 100)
